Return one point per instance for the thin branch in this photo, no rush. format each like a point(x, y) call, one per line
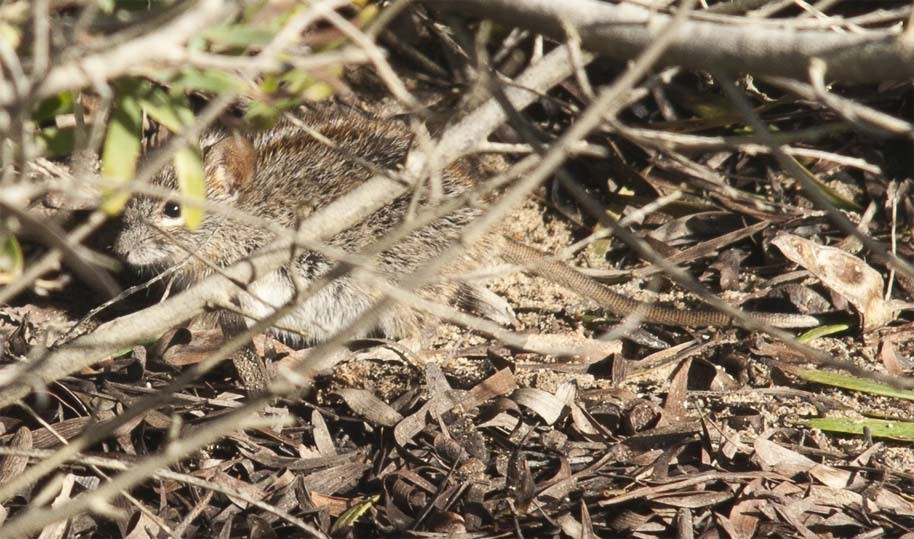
point(846, 107)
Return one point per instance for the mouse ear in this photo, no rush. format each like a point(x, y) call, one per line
point(229, 164)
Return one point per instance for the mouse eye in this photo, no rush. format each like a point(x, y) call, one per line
point(172, 210)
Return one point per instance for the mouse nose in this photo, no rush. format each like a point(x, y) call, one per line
point(123, 243)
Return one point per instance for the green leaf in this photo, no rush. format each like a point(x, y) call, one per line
point(879, 428)
point(853, 383)
point(292, 82)
point(308, 87)
point(122, 144)
point(823, 331)
point(206, 80)
point(57, 141)
point(367, 14)
point(191, 182)
point(10, 34)
point(349, 516)
point(238, 36)
point(172, 111)
point(270, 83)
point(107, 6)
point(261, 114)
point(839, 201)
point(11, 260)
point(48, 108)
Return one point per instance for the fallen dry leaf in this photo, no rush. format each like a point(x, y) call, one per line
point(845, 274)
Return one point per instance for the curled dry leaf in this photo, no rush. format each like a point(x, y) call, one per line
point(336, 479)
point(571, 345)
point(774, 457)
point(370, 407)
point(544, 404)
point(845, 274)
point(11, 466)
point(743, 517)
point(183, 347)
point(694, 500)
point(521, 478)
point(65, 494)
point(237, 485)
point(449, 523)
point(323, 440)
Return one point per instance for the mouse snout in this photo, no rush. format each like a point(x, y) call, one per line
point(123, 242)
point(131, 246)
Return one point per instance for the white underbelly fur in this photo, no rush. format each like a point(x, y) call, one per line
point(334, 307)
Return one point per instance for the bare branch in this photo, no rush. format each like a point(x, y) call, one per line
point(741, 45)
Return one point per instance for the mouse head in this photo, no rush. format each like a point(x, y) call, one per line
point(153, 235)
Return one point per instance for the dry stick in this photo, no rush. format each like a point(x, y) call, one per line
point(140, 407)
point(703, 248)
point(702, 175)
point(847, 108)
point(893, 197)
point(735, 7)
point(41, 45)
point(669, 141)
point(909, 31)
point(773, 7)
point(20, 83)
point(880, 16)
point(51, 259)
point(623, 30)
point(347, 56)
point(376, 56)
point(147, 324)
point(636, 216)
